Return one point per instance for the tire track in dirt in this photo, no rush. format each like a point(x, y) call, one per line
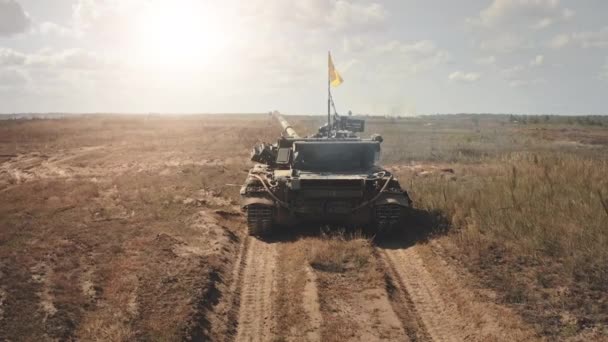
point(312, 307)
point(437, 300)
point(420, 289)
point(257, 285)
point(225, 329)
point(402, 303)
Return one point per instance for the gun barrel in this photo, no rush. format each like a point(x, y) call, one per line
point(286, 126)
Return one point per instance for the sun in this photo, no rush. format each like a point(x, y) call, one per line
point(177, 34)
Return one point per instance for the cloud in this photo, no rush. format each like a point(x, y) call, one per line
point(112, 18)
point(535, 14)
point(13, 19)
point(90, 13)
point(537, 61)
point(81, 59)
point(11, 57)
point(604, 71)
point(49, 28)
point(468, 77)
point(347, 15)
point(107, 19)
point(340, 15)
point(401, 58)
point(355, 44)
point(70, 59)
point(12, 78)
point(489, 60)
point(585, 39)
point(512, 72)
point(559, 41)
point(543, 23)
point(422, 47)
point(505, 25)
point(505, 43)
point(392, 60)
point(524, 83)
point(592, 39)
point(519, 75)
point(66, 59)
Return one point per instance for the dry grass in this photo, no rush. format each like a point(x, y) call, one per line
point(527, 203)
point(92, 214)
point(470, 138)
point(339, 253)
point(548, 204)
point(88, 201)
point(536, 227)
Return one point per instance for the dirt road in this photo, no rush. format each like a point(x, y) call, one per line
point(405, 293)
point(418, 288)
point(258, 282)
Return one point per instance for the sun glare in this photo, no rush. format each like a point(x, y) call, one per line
point(177, 34)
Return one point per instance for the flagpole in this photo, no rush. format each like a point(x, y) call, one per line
point(328, 95)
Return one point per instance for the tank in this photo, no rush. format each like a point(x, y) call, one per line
point(331, 178)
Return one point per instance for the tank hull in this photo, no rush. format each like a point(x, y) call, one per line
point(342, 200)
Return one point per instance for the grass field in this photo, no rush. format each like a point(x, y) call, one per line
point(127, 227)
point(527, 205)
point(102, 235)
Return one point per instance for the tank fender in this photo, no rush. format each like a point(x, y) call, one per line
point(393, 199)
point(256, 200)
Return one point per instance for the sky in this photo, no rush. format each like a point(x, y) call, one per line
point(397, 57)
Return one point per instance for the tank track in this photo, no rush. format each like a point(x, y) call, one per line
point(388, 216)
point(259, 219)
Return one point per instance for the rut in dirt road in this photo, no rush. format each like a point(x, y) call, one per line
point(255, 319)
point(441, 302)
point(436, 316)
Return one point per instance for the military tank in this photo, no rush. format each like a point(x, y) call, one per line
point(330, 178)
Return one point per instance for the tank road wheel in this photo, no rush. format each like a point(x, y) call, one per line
point(388, 217)
point(259, 219)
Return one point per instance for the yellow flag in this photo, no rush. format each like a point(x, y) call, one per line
point(334, 77)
